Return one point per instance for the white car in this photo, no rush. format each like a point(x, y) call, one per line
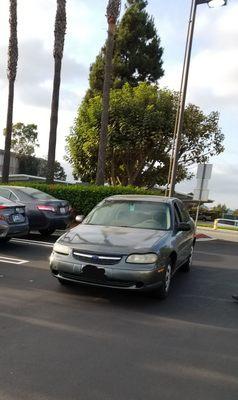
point(227, 222)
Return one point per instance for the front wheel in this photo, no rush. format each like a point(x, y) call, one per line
point(63, 282)
point(47, 232)
point(5, 239)
point(163, 291)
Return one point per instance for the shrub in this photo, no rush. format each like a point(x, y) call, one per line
point(84, 198)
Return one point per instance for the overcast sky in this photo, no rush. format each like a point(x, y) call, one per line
point(213, 81)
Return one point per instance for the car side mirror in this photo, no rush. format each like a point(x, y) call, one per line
point(184, 227)
point(79, 218)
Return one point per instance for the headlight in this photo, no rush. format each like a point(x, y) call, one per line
point(60, 248)
point(150, 258)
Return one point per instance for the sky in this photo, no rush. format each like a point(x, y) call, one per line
point(213, 79)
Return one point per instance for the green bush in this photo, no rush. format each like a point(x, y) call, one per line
point(84, 198)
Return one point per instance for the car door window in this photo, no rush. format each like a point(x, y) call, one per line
point(184, 213)
point(5, 193)
point(177, 214)
point(12, 197)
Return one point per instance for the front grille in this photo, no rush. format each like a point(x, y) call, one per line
point(103, 281)
point(98, 259)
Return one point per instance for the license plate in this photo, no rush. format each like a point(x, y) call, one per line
point(18, 218)
point(91, 271)
point(62, 210)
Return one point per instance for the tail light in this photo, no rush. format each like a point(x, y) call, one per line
point(43, 207)
point(3, 217)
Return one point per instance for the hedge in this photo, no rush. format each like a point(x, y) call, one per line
point(84, 198)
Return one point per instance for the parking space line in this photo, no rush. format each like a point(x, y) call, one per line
point(34, 242)
point(9, 260)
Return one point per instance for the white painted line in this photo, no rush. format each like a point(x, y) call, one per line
point(34, 242)
point(9, 260)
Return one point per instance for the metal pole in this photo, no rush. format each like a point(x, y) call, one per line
point(197, 214)
point(200, 194)
point(183, 93)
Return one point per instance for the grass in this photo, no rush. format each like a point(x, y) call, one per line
point(205, 224)
point(224, 228)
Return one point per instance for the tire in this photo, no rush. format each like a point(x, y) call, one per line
point(5, 239)
point(186, 267)
point(47, 232)
point(163, 291)
point(63, 282)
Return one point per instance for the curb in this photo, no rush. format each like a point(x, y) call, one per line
point(203, 237)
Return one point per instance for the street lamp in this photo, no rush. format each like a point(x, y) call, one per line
point(183, 89)
point(217, 3)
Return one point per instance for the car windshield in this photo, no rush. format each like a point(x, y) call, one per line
point(36, 194)
point(137, 214)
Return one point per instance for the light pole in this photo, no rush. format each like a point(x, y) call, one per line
point(183, 89)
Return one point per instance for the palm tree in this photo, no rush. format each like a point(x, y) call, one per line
point(11, 74)
point(113, 11)
point(60, 29)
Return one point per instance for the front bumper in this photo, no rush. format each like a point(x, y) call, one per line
point(120, 276)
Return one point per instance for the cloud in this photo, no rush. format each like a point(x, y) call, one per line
point(35, 75)
point(215, 73)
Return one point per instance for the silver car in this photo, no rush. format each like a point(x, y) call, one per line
point(13, 220)
point(127, 242)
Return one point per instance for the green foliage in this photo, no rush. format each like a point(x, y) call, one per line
point(24, 139)
point(140, 132)
point(220, 210)
point(28, 165)
point(38, 167)
point(59, 172)
point(84, 198)
point(137, 53)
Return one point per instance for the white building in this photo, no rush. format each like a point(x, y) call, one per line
point(14, 163)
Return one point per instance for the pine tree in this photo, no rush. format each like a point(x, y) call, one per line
point(138, 53)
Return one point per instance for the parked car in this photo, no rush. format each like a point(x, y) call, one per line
point(128, 242)
point(227, 223)
point(45, 213)
point(205, 217)
point(13, 220)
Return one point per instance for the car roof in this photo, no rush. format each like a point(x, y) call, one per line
point(135, 197)
point(7, 202)
point(15, 187)
point(227, 219)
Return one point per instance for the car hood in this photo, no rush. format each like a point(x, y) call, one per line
point(110, 239)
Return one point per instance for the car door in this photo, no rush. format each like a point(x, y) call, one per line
point(188, 236)
point(178, 235)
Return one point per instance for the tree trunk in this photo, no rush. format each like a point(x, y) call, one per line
point(60, 29)
point(100, 179)
point(54, 121)
point(11, 74)
point(8, 138)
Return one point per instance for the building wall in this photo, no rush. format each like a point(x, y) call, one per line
point(14, 164)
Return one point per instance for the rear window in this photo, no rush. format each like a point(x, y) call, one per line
point(36, 194)
point(6, 202)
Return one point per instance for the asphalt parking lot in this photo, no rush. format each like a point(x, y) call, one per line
point(92, 344)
